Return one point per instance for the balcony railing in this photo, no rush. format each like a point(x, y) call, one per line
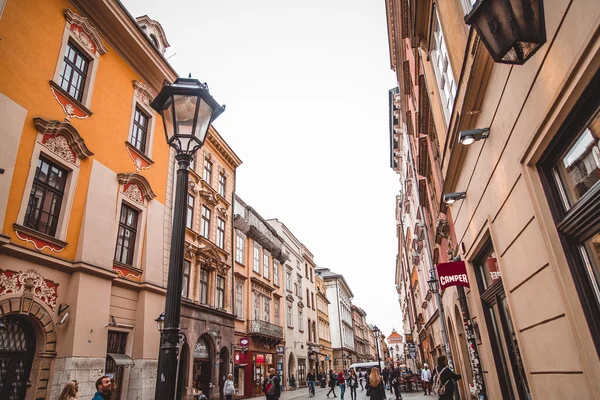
point(265, 328)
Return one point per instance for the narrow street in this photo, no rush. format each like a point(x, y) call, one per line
point(361, 395)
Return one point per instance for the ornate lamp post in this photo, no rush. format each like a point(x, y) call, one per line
point(187, 110)
point(512, 30)
point(377, 334)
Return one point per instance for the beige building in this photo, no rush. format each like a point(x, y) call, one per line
point(259, 335)
point(323, 328)
point(528, 224)
point(361, 332)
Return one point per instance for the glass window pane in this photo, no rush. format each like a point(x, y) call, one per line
point(591, 255)
point(579, 166)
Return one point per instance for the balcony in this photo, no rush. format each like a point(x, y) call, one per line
point(263, 328)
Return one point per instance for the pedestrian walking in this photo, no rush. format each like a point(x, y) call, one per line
point(443, 379)
point(352, 384)
point(332, 383)
point(375, 386)
point(310, 380)
point(272, 386)
point(396, 384)
point(229, 387)
point(361, 378)
point(426, 379)
point(386, 376)
point(103, 388)
point(69, 392)
point(341, 380)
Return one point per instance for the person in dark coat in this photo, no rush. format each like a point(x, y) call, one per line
point(447, 377)
point(272, 379)
point(332, 383)
point(375, 386)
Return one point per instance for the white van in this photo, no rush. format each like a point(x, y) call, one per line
point(365, 366)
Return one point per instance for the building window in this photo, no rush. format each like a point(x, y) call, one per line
point(239, 248)
point(256, 306)
point(307, 298)
point(205, 229)
point(276, 319)
point(300, 319)
point(220, 303)
point(207, 171)
point(256, 259)
point(570, 173)
point(290, 320)
point(139, 133)
point(311, 275)
point(312, 300)
point(203, 285)
point(239, 300)
point(221, 233)
point(45, 199)
point(299, 294)
point(127, 234)
point(443, 68)
point(288, 281)
point(503, 339)
point(189, 221)
point(74, 72)
point(275, 273)
point(266, 265)
point(266, 309)
point(222, 184)
point(186, 279)
point(296, 288)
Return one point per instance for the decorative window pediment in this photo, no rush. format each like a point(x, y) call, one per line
point(136, 187)
point(85, 32)
point(62, 139)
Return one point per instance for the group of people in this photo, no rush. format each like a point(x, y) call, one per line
point(106, 389)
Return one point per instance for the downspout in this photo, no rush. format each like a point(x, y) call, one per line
point(233, 253)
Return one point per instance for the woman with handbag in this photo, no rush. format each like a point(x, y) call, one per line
point(375, 386)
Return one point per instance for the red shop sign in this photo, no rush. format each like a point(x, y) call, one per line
point(452, 274)
point(260, 358)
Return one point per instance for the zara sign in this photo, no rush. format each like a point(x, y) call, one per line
point(452, 274)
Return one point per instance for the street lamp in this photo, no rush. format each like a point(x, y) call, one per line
point(433, 285)
point(512, 30)
point(187, 110)
point(377, 334)
point(160, 322)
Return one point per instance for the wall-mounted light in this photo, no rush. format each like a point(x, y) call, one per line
point(473, 135)
point(451, 198)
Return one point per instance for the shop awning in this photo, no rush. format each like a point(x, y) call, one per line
point(121, 359)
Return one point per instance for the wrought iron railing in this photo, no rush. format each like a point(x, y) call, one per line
point(265, 328)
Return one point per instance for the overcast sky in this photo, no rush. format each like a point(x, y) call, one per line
point(305, 84)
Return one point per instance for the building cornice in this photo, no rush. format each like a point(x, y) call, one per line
point(223, 148)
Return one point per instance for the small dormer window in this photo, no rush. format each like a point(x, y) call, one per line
point(154, 41)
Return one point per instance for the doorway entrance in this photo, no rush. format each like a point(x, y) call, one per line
point(223, 369)
point(202, 368)
point(17, 348)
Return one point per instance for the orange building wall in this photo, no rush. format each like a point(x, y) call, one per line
point(35, 48)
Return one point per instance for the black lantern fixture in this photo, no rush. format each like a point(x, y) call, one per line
point(377, 334)
point(160, 322)
point(433, 285)
point(512, 30)
point(187, 110)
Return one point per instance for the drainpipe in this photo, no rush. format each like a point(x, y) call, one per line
point(233, 252)
point(438, 297)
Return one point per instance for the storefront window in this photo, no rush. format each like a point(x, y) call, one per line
point(570, 174)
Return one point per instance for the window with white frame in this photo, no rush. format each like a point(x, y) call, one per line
point(290, 316)
point(126, 236)
point(442, 67)
point(288, 281)
point(187, 265)
point(266, 309)
point(239, 248)
point(265, 265)
point(189, 221)
point(222, 184)
point(208, 167)
point(140, 129)
point(275, 273)
point(276, 319)
point(256, 267)
point(220, 299)
point(205, 228)
point(203, 285)
point(74, 71)
point(300, 319)
point(239, 300)
point(221, 233)
point(256, 306)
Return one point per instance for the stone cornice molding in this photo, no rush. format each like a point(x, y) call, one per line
point(144, 92)
point(261, 286)
point(74, 139)
point(223, 148)
point(155, 24)
point(88, 28)
point(141, 182)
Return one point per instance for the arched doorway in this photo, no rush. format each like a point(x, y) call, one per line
point(291, 369)
point(17, 348)
point(182, 374)
point(202, 367)
point(223, 369)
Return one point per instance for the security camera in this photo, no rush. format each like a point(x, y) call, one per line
point(451, 198)
point(472, 135)
point(63, 319)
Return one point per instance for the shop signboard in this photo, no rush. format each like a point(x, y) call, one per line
point(244, 342)
point(260, 359)
point(452, 274)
